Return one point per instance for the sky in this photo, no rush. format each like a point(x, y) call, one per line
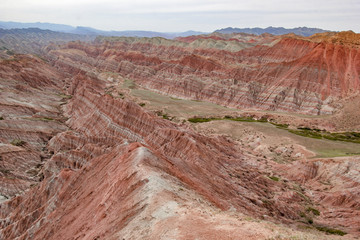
point(183, 15)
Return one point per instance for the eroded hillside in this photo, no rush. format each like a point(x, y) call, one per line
point(285, 73)
point(88, 152)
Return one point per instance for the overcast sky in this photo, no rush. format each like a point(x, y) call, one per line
point(182, 15)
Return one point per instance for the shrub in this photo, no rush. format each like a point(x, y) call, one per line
point(313, 210)
point(276, 179)
point(197, 120)
point(17, 142)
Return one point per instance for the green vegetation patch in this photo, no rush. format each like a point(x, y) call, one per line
point(320, 134)
point(238, 119)
point(17, 142)
point(281, 126)
point(65, 96)
point(201, 120)
point(313, 211)
point(46, 119)
point(305, 132)
point(165, 116)
point(274, 178)
point(330, 230)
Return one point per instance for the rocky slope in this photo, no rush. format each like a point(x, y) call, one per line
point(30, 116)
point(285, 73)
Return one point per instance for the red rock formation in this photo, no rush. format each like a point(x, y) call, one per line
point(334, 185)
point(30, 117)
point(294, 74)
point(116, 171)
point(130, 160)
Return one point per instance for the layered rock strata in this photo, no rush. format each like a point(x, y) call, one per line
point(287, 73)
point(120, 167)
point(30, 116)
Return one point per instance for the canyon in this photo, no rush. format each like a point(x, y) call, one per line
point(96, 141)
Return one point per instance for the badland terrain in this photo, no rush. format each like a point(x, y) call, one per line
point(213, 136)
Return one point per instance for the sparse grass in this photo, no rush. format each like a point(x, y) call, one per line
point(165, 116)
point(299, 191)
point(109, 93)
point(281, 126)
point(313, 211)
point(330, 230)
point(17, 142)
point(129, 84)
point(274, 178)
point(65, 96)
point(306, 133)
point(46, 119)
point(237, 119)
point(177, 99)
point(240, 119)
point(201, 120)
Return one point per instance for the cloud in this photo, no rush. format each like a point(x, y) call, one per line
point(179, 15)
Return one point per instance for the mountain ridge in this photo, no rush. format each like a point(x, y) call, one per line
point(302, 31)
point(81, 30)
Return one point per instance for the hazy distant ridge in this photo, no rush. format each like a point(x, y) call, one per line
point(32, 40)
point(303, 31)
point(93, 31)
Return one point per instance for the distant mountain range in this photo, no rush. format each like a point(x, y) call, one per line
point(92, 31)
point(302, 31)
point(32, 40)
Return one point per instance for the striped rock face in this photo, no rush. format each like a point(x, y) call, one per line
point(287, 73)
point(30, 109)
